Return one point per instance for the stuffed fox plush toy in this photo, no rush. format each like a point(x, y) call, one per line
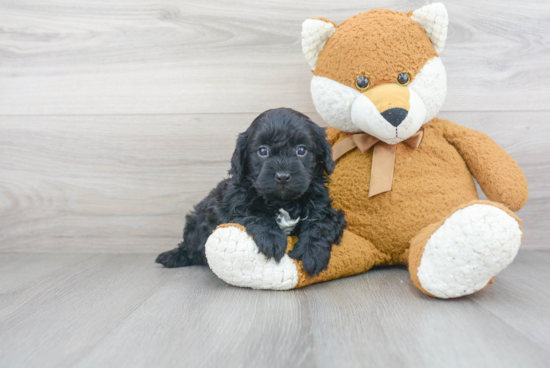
point(403, 176)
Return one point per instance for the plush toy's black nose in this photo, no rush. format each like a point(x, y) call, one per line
point(282, 177)
point(395, 116)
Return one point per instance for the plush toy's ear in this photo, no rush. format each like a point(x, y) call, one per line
point(435, 21)
point(240, 156)
point(315, 33)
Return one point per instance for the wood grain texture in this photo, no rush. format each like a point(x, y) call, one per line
point(525, 279)
point(125, 311)
point(61, 315)
point(24, 276)
point(95, 183)
point(390, 323)
point(124, 183)
point(194, 56)
point(197, 320)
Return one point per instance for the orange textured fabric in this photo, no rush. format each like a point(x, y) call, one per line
point(238, 226)
point(499, 176)
point(344, 58)
point(429, 181)
point(353, 256)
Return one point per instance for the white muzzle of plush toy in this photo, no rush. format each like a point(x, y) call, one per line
point(389, 112)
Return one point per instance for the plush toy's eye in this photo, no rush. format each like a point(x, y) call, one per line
point(263, 151)
point(403, 79)
point(301, 151)
point(362, 82)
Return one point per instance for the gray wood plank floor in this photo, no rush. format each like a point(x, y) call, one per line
point(124, 311)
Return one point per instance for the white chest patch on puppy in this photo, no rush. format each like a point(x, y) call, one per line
point(285, 222)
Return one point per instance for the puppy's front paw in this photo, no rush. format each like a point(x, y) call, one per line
point(169, 259)
point(314, 263)
point(271, 242)
point(314, 256)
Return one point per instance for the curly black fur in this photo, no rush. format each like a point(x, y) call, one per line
point(252, 196)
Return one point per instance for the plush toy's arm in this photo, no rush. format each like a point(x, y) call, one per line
point(499, 176)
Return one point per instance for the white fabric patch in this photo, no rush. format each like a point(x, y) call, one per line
point(286, 223)
point(431, 85)
point(234, 257)
point(415, 118)
point(435, 21)
point(472, 246)
point(315, 34)
point(333, 102)
point(350, 111)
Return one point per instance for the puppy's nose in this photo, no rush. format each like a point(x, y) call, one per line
point(282, 177)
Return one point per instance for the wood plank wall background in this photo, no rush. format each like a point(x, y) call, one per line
point(117, 116)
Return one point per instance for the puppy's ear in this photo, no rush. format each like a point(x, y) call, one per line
point(324, 149)
point(240, 156)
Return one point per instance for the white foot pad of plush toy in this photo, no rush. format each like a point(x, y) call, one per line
point(234, 257)
point(473, 245)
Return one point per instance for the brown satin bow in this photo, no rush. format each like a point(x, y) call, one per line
point(383, 157)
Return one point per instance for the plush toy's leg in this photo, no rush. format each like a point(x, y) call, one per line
point(234, 257)
point(354, 255)
point(463, 253)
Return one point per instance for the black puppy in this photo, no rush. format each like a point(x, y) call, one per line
point(276, 188)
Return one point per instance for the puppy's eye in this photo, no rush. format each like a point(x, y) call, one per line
point(403, 79)
point(301, 151)
point(362, 83)
point(263, 152)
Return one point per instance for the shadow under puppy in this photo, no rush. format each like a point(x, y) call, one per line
point(276, 189)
